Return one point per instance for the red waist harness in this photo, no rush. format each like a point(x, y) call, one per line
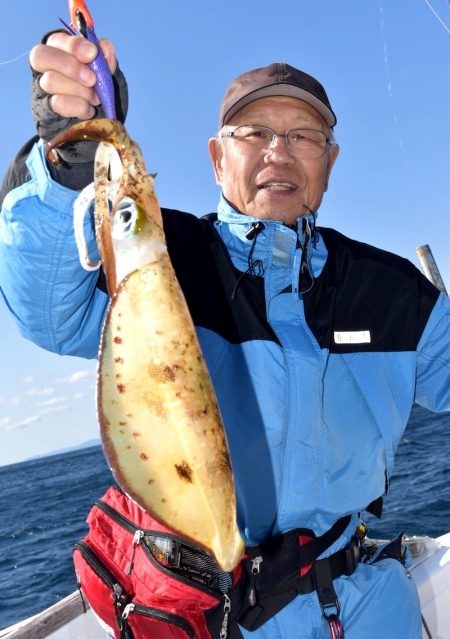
point(142, 580)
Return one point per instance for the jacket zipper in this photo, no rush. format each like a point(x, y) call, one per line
point(291, 381)
point(160, 615)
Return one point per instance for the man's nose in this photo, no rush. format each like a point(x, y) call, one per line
point(279, 149)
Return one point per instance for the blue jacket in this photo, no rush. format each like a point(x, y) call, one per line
point(315, 388)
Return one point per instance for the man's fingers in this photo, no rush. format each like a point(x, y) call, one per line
point(55, 83)
point(63, 62)
point(77, 46)
point(46, 58)
point(71, 107)
point(70, 55)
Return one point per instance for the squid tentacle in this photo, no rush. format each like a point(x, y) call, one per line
point(80, 209)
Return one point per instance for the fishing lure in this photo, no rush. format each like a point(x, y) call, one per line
point(159, 421)
point(83, 24)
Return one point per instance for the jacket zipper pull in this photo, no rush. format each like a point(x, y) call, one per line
point(254, 572)
point(138, 536)
point(226, 614)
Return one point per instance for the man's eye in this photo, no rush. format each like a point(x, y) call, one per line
point(295, 137)
point(252, 133)
point(261, 134)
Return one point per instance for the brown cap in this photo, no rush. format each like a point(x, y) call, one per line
point(278, 78)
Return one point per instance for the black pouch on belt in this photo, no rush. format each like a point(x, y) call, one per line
point(271, 578)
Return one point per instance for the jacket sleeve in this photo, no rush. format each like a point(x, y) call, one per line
point(55, 302)
point(433, 359)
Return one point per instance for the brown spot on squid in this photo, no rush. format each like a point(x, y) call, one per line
point(184, 471)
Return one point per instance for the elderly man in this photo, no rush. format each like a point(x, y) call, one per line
point(317, 345)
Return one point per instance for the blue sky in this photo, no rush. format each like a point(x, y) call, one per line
point(385, 65)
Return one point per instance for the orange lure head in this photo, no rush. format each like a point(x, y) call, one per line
point(79, 13)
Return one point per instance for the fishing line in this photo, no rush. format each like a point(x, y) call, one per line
point(395, 116)
point(22, 55)
point(437, 15)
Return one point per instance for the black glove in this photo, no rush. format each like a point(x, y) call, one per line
point(77, 157)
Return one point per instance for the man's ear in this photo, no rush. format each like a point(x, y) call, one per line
point(331, 160)
point(216, 155)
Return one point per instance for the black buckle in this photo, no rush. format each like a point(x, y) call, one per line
point(351, 557)
point(330, 610)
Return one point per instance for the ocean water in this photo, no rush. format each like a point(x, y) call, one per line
point(44, 503)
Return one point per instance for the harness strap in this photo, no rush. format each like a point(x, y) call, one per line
point(286, 550)
point(317, 545)
point(328, 599)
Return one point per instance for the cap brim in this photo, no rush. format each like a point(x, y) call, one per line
point(286, 90)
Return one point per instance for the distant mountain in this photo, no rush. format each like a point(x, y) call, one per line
point(88, 444)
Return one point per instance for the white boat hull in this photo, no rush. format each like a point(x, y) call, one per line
point(431, 573)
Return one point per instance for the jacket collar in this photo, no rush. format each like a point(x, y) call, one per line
point(276, 245)
point(242, 223)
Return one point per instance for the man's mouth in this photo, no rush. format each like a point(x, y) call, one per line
point(277, 186)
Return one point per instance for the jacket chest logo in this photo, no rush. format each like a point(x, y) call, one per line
point(352, 337)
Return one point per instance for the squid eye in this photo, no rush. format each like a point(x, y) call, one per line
point(124, 218)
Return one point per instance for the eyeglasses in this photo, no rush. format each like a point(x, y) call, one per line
point(307, 144)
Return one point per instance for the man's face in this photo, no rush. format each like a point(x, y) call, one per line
point(272, 183)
